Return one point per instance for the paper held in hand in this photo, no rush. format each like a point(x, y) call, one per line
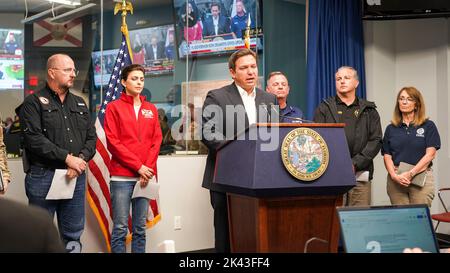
point(62, 187)
point(362, 176)
point(418, 180)
point(151, 191)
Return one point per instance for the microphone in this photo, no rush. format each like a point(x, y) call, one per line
point(272, 106)
point(264, 105)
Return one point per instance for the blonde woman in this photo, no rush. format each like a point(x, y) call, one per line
point(411, 138)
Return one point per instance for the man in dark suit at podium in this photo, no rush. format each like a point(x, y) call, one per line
point(242, 103)
point(216, 24)
point(362, 130)
point(155, 50)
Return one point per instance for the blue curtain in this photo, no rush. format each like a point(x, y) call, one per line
point(335, 39)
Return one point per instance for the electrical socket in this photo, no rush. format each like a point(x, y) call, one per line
point(177, 223)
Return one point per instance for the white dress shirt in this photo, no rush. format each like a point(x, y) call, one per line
point(249, 101)
point(155, 52)
point(216, 25)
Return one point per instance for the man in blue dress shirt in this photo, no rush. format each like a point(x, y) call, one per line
point(277, 84)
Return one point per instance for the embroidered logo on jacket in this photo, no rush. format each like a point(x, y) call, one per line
point(44, 100)
point(147, 113)
point(420, 132)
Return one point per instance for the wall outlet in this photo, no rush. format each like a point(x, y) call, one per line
point(177, 223)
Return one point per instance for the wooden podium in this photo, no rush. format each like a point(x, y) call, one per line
point(269, 210)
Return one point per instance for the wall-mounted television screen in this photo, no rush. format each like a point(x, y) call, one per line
point(210, 27)
point(401, 9)
point(11, 59)
point(154, 48)
point(109, 57)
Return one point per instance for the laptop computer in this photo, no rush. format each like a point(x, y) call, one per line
point(387, 229)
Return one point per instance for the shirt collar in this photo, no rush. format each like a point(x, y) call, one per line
point(286, 109)
point(411, 124)
point(54, 94)
point(242, 92)
point(129, 99)
point(354, 103)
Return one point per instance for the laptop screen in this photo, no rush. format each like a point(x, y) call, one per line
point(387, 229)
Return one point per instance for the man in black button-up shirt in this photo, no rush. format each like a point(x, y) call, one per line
point(58, 134)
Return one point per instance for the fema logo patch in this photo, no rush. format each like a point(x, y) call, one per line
point(420, 132)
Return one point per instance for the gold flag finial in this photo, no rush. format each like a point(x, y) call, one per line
point(124, 7)
point(247, 33)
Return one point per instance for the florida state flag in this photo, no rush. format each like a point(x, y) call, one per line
point(66, 34)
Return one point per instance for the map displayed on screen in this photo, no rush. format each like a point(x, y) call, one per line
point(11, 59)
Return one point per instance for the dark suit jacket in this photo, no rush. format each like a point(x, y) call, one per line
point(219, 99)
point(27, 229)
point(223, 27)
point(160, 52)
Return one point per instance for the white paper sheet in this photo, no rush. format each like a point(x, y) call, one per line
point(362, 176)
point(62, 187)
point(151, 191)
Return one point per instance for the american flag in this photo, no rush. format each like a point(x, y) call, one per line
point(98, 175)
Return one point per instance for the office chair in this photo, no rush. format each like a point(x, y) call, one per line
point(442, 217)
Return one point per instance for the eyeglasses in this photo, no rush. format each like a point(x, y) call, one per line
point(69, 70)
point(408, 100)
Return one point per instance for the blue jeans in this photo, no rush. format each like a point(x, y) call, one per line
point(121, 192)
point(70, 212)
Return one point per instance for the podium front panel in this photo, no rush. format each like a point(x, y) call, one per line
point(247, 167)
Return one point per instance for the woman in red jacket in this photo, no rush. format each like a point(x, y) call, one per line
point(133, 137)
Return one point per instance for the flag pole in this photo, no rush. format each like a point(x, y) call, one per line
point(125, 7)
point(247, 33)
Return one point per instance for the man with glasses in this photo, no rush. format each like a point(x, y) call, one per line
point(362, 130)
point(58, 134)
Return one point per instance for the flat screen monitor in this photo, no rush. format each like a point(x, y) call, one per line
point(154, 48)
point(401, 9)
point(387, 229)
point(109, 58)
point(11, 59)
point(214, 27)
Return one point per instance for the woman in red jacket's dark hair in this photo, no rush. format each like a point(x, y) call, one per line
point(133, 137)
